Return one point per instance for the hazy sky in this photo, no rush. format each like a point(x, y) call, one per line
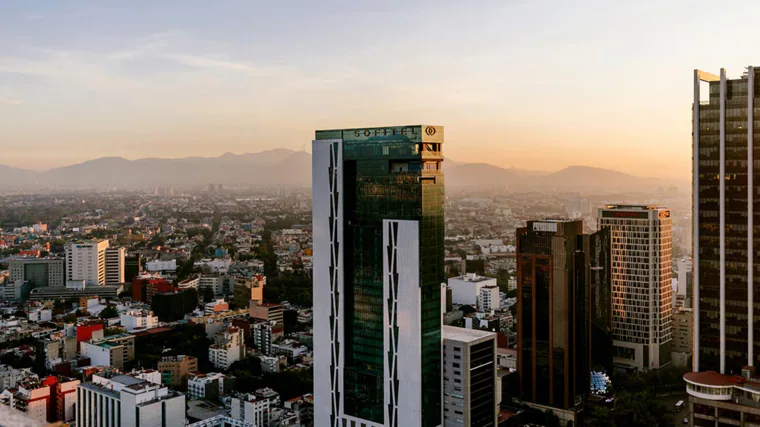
point(531, 84)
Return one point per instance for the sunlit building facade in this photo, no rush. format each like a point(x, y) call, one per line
point(726, 160)
point(378, 270)
point(642, 283)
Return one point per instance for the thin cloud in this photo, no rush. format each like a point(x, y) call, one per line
point(205, 62)
point(11, 101)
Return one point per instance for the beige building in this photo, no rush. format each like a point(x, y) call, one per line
point(266, 311)
point(176, 369)
point(683, 337)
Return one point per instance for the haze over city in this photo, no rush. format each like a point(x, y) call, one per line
point(536, 85)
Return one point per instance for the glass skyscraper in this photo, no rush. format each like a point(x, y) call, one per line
point(378, 270)
point(563, 312)
point(725, 197)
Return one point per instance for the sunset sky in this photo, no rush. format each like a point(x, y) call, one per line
point(530, 84)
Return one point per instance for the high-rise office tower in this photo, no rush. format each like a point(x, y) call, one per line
point(378, 270)
point(39, 272)
point(470, 397)
point(563, 311)
point(132, 266)
point(87, 261)
point(642, 285)
point(725, 192)
point(115, 265)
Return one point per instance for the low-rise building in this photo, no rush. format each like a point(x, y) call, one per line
point(250, 409)
point(175, 370)
point(113, 350)
point(488, 298)
point(264, 334)
point(683, 331)
point(33, 399)
point(718, 399)
point(289, 348)
point(215, 307)
point(124, 401)
point(273, 363)
point(206, 386)
point(228, 348)
point(266, 311)
point(135, 320)
point(466, 289)
point(10, 377)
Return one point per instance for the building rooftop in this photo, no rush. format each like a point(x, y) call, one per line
point(635, 207)
point(473, 277)
point(464, 335)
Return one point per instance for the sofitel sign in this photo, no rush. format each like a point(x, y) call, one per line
point(410, 131)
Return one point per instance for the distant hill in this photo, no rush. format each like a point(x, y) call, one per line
point(11, 177)
point(282, 167)
point(586, 177)
point(480, 175)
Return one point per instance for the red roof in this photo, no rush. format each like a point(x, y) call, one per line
point(712, 378)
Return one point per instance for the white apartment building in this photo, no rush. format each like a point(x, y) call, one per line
point(87, 261)
point(250, 410)
point(103, 353)
point(228, 349)
point(206, 386)
point(264, 336)
point(10, 377)
point(158, 265)
point(642, 289)
point(273, 363)
point(40, 315)
point(466, 289)
point(125, 401)
point(489, 298)
point(470, 396)
point(115, 265)
point(215, 283)
point(138, 319)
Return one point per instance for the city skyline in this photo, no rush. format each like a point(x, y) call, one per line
point(83, 80)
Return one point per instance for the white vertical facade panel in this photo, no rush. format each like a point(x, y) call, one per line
point(401, 261)
point(327, 280)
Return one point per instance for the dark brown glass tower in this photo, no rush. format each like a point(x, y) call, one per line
point(563, 311)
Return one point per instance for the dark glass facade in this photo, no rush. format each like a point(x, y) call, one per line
point(563, 293)
point(737, 210)
point(388, 174)
point(482, 393)
point(37, 274)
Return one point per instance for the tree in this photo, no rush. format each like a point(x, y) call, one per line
point(109, 312)
point(186, 269)
point(208, 294)
point(637, 409)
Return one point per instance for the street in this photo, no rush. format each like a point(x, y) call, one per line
point(670, 402)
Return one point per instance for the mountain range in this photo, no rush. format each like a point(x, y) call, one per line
point(283, 167)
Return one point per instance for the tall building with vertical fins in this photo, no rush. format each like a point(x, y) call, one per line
point(724, 210)
point(378, 270)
